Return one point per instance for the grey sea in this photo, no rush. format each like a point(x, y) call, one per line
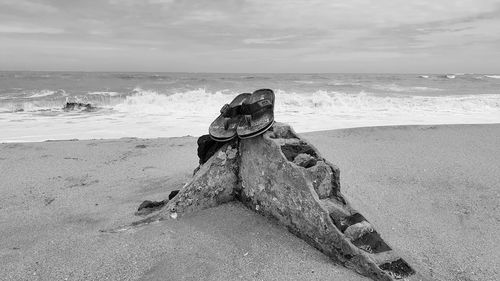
point(177, 104)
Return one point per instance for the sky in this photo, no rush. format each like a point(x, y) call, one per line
point(349, 36)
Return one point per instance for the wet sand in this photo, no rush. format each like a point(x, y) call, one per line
point(433, 192)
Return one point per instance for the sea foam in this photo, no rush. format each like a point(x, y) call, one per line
point(152, 113)
point(201, 102)
point(45, 93)
point(401, 89)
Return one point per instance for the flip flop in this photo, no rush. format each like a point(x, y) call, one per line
point(258, 111)
point(224, 127)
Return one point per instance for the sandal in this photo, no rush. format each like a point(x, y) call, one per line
point(223, 128)
point(258, 114)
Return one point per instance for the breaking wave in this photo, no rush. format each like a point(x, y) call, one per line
point(196, 102)
point(106, 94)
point(307, 82)
point(401, 89)
point(493, 76)
point(363, 102)
point(151, 113)
point(201, 102)
point(46, 93)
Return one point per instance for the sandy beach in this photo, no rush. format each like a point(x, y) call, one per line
point(433, 192)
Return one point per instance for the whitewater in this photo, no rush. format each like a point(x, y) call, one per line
point(150, 105)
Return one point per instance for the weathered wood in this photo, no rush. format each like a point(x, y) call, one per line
point(212, 185)
point(304, 195)
point(282, 176)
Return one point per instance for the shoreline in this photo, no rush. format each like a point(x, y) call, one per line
point(431, 191)
point(301, 133)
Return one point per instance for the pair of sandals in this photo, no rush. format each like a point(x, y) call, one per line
point(247, 116)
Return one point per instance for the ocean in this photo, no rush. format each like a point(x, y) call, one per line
point(149, 105)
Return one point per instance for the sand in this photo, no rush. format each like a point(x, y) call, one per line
point(433, 192)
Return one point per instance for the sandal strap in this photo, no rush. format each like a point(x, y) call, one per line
point(230, 111)
point(224, 108)
point(251, 108)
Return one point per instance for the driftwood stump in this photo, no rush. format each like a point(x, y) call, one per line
point(281, 176)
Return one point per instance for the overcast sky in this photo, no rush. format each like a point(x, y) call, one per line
point(431, 36)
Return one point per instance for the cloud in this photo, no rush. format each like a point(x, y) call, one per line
point(242, 32)
point(140, 3)
point(4, 28)
point(27, 6)
point(161, 1)
point(269, 40)
point(202, 16)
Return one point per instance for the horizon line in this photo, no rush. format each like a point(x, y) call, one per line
point(215, 72)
